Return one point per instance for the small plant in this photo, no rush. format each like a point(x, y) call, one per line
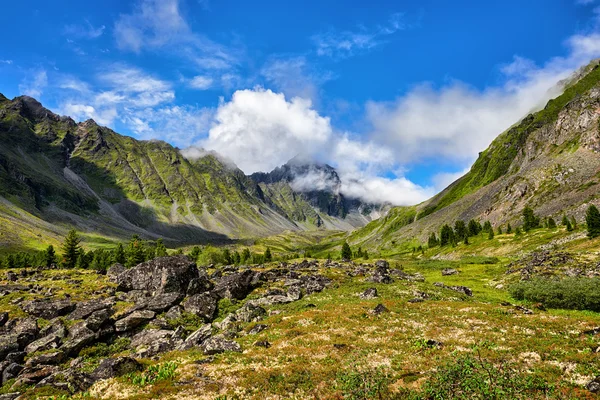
point(366, 384)
point(154, 373)
point(567, 293)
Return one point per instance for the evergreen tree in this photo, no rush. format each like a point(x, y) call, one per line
point(530, 220)
point(508, 229)
point(592, 219)
point(227, 257)
point(565, 220)
point(499, 230)
point(268, 255)
point(569, 226)
point(365, 255)
point(487, 226)
point(432, 241)
point(135, 252)
point(490, 234)
point(195, 253)
point(460, 229)
point(71, 249)
point(346, 252)
point(474, 228)
point(245, 255)
point(447, 236)
point(161, 250)
point(150, 252)
point(466, 239)
point(518, 232)
point(49, 256)
point(573, 222)
point(551, 223)
point(119, 255)
point(236, 257)
point(83, 261)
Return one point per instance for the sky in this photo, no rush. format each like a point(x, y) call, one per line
point(400, 96)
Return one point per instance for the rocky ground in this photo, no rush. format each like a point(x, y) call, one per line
point(85, 334)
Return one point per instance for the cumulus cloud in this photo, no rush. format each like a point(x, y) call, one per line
point(34, 84)
point(456, 121)
point(260, 129)
point(294, 76)
point(342, 44)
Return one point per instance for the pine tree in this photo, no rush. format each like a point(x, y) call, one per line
point(518, 232)
point(551, 223)
point(71, 249)
point(573, 222)
point(365, 255)
point(499, 230)
point(49, 256)
point(227, 260)
point(508, 229)
point(432, 241)
point(530, 220)
point(447, 236)
point(474, 228)
point(161, 250)
point(83, 260)
point(236, 257)
point(487, 226)
point(466, 239)
point(569, 226)
point(490, 234)
point(346, 252)
point(245, 255)
point(119, 255)
point(135, 252)
point(592, 219)
point(195, 253)
point(268, 255)
point(460, 229)
point(565, 220)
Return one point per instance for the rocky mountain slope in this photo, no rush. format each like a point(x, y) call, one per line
point(548, 161)
point(56, 174)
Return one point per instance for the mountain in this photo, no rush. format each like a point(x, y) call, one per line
point(56, 174)
point(308, 191)
point(549, 161)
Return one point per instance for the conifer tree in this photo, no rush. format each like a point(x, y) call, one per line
point(195, 253)
point(346, 252)
point(487, 226)
point(245, 255)
point(518, 232)
point(569, 226)
point(432, 241)
point(460, 229)
point(161, 250)
point(135, 252)
point(508, 228)
point(71, 249)
point(573, 222)
point(592, 219)
point(119, 255)
point(490, 234)
point(530, 220)
point(268, 255)
point(499, 230)
point(49, 256)
point(227, 257)
point(447, 236)
point(551, 223)
point(365, 255)
point(474, 228)
point(565, 220)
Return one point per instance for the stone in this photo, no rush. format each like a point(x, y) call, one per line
point(461, 289)
point(197, 337)
point(79, 337)
point(3, 318)
point(449, 271)
point(369, 294)
point(594, 385)
point(382, 264)
point(32, 375)
point(315, 283)
point(150, 336)
point(11, 276)
point(8, 344)
point(256, 329)
point(381, 275)
point(161, 275)
point(51, 341)
point(160, 302)
point(27, 331)
point(380, 309)
point(174, 312)
point(48, 309)
point(16, 357)
point(134, 320)
point(11, 372)
point(235, 286)
point(87, 308)
point(218, 344)
point(10, 396)
point(250, 313)
point(262, 343)
point(114, 271)
point(203, 305)
point(99, 318)
point(199, 285)
point(113, 367)
point(53, 358)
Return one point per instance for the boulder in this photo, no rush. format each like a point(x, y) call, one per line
point(250, 313)
point(161, 275)
point(262, 343)
point(369, 294)
point(235, 286)
point(449, 271)
point(594, 385)
point(113, 367)
point(86, 308)
point(199, 285)
point(11, 372)
point(8, 344)
point(257, 329)
point(26, 330)
point(150, 336)
point(382, 264)
point(114, 271)
point(51, 341)
point(53, 358)
point(218, 344)
point(11, 276)
point(99, 318)
point(31, 375)
point(79, 337)
point(203, 305)
point(197, 337)
point(160, 302)
point(3, 318)
point(381, 275)
point(134, 320)
point(380, 309)
point(48, 309)
point(174, 313)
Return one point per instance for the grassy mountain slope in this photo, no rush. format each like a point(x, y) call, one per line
point(56, 174)
point(548, 161)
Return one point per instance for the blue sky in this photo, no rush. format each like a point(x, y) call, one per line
point(400, 96)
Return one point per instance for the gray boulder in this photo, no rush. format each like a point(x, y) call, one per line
point(235, 286)
point(203, 305)
point(161, 275)
point(48, 309)
point(113, 367)
point(369, 294)
point(114, 271)
point(134, 320)
point(218, 344)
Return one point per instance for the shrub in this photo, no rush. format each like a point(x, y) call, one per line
point(568, 293)
point(367, 384)
point(154, 373)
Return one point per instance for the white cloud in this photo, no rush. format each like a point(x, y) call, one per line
point(35, 84)
point(294, 76)
point(456, 121)
point(443, 179)
point(341, 44)
point(201, 82)
point(376, 189)
point(260, 130)
point(9, 62)
point(85, 30)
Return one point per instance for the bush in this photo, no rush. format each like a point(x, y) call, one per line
point(471, 377)
point(154, 373)
point(568, 293)
point(369, 384)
